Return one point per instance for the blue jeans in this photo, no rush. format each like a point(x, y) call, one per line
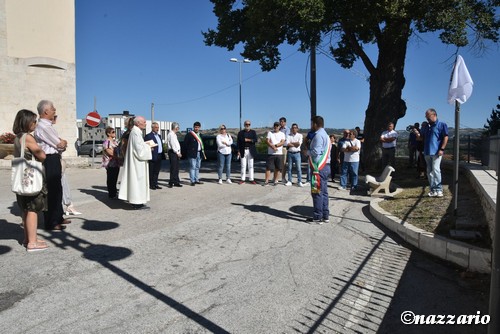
point(434, 171)
point(350, 168)
point(320, 201)
point(194, 168)
point(224, 160)
point(295, 157)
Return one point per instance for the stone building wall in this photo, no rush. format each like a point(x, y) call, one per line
point(37, 61)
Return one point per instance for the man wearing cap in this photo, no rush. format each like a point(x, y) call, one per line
point(247, 152)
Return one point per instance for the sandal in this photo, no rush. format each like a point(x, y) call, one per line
point(38, 241)
point(70, 210)
point(36, 246)
point(66, 221)
point(57, 227)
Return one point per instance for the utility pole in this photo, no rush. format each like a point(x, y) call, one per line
point(152, 112)
point(313, 80)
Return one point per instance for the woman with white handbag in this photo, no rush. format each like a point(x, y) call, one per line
point(26, 146)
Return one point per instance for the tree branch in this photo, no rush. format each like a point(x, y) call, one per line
point(358, 50)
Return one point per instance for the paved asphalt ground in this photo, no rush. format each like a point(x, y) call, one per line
point(222, 259)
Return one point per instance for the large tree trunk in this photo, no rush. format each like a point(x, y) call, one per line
point(386, 87)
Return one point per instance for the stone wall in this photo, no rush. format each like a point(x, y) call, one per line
point(24, 81)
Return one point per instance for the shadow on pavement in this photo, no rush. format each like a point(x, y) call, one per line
point(295, 213)
point(104, 255)
point(385, 280)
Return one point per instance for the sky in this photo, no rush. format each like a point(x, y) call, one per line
point(131, 53)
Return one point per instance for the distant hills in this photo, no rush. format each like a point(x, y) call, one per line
point(403, 134)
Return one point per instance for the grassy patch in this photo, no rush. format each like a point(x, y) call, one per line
point(433, 214)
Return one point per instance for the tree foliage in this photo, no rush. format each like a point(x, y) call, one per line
point(345, 28)
point(493, 123)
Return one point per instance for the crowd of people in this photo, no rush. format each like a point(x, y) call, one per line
point(134, 162)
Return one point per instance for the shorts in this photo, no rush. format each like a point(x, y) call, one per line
point(274, 161)
point(33, 203)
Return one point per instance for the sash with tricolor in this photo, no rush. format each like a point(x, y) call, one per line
point(198, 139)
point(316, 167)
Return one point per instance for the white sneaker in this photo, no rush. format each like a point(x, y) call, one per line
point(439, 194)
point(300, 184)
point(220, 181)
point(228, 181)
point(306, 183)
point(342, 188)
point(288, 184)
point(432, 194)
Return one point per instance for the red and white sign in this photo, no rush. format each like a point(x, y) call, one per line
point(93, 119)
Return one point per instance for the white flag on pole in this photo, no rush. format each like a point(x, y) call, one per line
point(460, 83)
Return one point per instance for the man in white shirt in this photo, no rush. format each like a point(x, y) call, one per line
point(174, 155)
point(294, 141)
point(49, 141)
point(350, 165)
point(275, 141)
point(388, 140)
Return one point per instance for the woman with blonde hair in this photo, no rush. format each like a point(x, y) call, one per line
point(24, 125)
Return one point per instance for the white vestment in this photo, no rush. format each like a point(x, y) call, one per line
point(134, 186)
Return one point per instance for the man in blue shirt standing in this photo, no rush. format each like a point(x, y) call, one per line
point(435, 137)
point(319, 159)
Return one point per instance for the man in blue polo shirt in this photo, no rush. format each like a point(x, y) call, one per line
point(435, 137)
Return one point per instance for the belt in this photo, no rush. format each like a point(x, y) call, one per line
point(247, 148)
point(388, 148)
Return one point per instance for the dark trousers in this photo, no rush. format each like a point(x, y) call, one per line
point(174, 168)
point(53, 174)
point(388, 157)
point(111, 179)
point(320, 201)
point(154, 171)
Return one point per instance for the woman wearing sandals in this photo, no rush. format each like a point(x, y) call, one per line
point(25, 123)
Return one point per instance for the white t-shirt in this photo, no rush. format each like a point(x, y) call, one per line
point(354, 155)
point(294, 138)
point(275, 138)
point(389, 134)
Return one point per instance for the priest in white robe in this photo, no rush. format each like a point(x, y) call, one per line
point(134, 186)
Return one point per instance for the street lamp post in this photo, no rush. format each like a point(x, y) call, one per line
point(235, 60)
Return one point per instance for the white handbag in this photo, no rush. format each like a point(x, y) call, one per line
point(27, 175)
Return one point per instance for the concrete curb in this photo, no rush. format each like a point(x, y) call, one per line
point(467, 256)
